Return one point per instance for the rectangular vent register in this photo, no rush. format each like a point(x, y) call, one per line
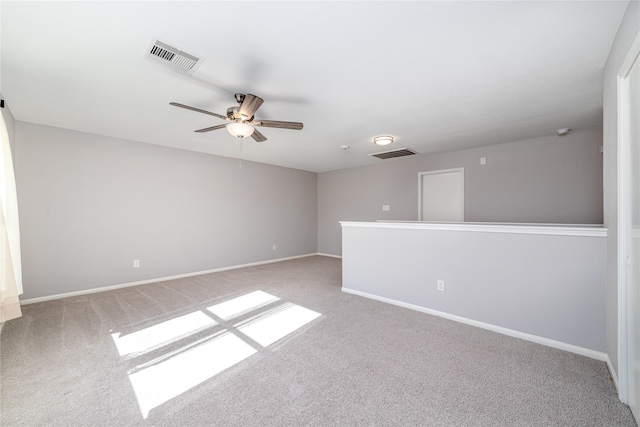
point(401, 152)
point(173, 57)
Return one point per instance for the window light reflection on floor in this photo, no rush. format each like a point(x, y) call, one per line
point(277, 323)
point(161, 382)
point(161, 334)
point(181, 369)
point(241, 305)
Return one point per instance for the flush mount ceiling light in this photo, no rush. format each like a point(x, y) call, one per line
point(240, 129)
point(563, 131)
point(383, 140)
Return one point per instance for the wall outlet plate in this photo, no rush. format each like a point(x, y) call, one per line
point(441, 285)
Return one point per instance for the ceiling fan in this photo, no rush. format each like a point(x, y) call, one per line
point(241, 118)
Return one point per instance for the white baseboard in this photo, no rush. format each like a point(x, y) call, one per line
point(614, 375)
point(329, 255)
point(499, 329)
point(160, 279)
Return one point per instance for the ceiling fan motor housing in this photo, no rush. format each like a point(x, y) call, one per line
point(233, 113)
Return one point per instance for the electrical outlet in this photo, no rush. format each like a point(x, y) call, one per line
point(136, 263)
point(386, 207)
point(274, 246)
point(441, 285)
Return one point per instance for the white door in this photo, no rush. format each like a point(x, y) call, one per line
point(441, 195)
point(629, 239)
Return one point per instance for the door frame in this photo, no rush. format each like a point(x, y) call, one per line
point(624, 213)
point(422, 174)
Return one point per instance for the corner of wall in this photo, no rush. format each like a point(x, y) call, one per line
point(627, 32)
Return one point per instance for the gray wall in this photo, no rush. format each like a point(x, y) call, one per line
point(547, 180)
point(628, 31)
point(91, 204)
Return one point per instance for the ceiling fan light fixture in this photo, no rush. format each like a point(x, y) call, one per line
point(383, 140)
point(240, 129)
point(240, 119)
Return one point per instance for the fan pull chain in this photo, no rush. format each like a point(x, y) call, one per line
point(241, 145)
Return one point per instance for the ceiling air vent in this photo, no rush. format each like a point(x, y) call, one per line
point(173, 57)
point(401, 152)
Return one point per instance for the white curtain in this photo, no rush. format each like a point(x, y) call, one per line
point(10, 263)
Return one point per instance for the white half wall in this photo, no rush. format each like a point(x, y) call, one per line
point(548, 283)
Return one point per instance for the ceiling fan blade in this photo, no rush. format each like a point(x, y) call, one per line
point(249, 106)
point(211, 128)
point(175, 104)
point(258, 136)
point(279, 124)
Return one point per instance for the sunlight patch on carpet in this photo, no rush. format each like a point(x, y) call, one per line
point(183, 366)
point(277, 323)
point(161, 334)
point(162, 382)
point(241, 305)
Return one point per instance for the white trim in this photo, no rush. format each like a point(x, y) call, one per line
point(499, 329)
point(546, 229)
point(623, 199)
point(623, 206)
point(632, 56)
point(422, 174)
point(161, 279)
point(329, 255)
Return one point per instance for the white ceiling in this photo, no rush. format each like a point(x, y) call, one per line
point(438, 76)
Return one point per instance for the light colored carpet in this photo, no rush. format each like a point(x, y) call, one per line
point(360, 362)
